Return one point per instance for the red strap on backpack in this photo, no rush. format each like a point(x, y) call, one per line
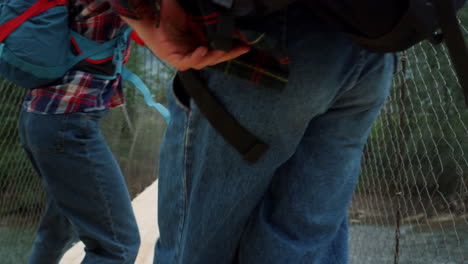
point(39, 7)
point(134, 36)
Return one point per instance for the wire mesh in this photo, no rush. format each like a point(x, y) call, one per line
point(411, 202)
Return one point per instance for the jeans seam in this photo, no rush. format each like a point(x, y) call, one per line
point(231, 209)
point(354, 79)
point(61, 134)
point(105, 200)
point(359, 68)
point(184, 184)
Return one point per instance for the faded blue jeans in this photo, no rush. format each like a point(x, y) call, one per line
point(85, 190)
point(291, 206)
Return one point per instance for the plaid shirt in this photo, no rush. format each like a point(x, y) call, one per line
point(265, 64)
point(80, 91)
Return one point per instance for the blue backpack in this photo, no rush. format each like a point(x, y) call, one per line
point(37, 47)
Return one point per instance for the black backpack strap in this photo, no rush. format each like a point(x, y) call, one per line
point(453, 37)
point(249, 146)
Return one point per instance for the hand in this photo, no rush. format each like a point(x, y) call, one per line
point(178, 41)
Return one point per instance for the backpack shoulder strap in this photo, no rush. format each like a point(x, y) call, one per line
point(96, 53)
point(141, 86)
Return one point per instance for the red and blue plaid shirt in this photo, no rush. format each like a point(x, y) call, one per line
point(80, 91)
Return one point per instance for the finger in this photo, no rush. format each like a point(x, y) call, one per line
point(234, 53)
point(218, 56)
point(198, 59)
point(186, 61)
point(201, 57)
point(209, 59)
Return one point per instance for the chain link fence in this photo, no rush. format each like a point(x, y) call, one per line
point(411, 202)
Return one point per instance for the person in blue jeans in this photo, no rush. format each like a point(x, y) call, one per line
point(86, 194)
point(291, 205)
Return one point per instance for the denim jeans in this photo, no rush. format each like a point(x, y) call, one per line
point(85, 190)
point(291, 206)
